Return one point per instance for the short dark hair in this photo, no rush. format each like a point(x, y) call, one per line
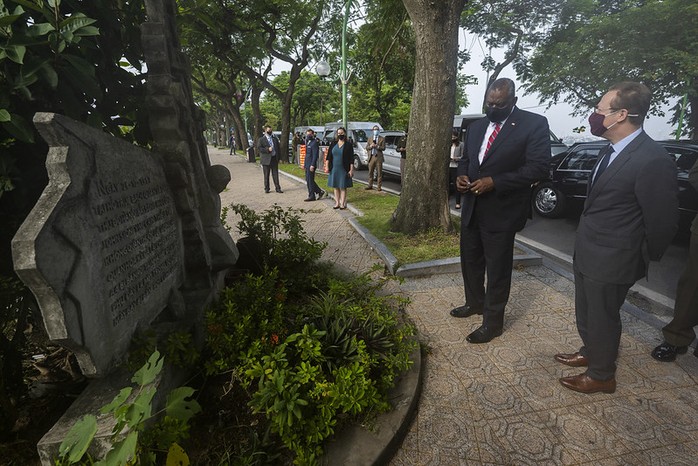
point(634, 97)
point(267, 126)
point(506, 85)
point(310, 130)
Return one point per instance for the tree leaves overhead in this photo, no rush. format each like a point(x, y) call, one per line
point(595, 44)
point(513, 25)
point(382, 62)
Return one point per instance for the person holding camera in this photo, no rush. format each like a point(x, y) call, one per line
point(375, 148)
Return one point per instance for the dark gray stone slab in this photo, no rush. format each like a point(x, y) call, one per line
point(102, 248)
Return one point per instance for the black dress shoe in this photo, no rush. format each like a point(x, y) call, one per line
point(266, 191)
point(483, 335)
point(667, 352)
point(465, 311)
point(310, 199)
point(320, 195)
point(279, 191)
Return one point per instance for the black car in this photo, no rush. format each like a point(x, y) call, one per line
point(569, 174)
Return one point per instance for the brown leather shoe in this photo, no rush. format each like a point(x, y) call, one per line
point(572, 359)
point(584, 384)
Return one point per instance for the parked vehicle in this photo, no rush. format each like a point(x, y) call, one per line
point(391, 157)
point(569, 176)
point(358, 132)
point(290, 142)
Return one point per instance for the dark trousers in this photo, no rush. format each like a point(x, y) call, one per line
point(273, 167)
point(492, 253)
point(313, 188)
point(597, 310)
point(679, 332)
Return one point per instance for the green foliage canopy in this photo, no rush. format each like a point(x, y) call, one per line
point(595, 44)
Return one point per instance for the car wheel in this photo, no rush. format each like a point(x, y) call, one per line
point(357, 163)
point(548, 202)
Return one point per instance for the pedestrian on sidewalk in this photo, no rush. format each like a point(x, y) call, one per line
point(232, 144)
point(269, 153)
point(375, 147)
point(312, 157)
point(340, 156)
point(679, 333)
point(630, 217)
point(505, 153)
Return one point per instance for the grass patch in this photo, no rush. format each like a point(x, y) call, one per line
point(378, 209)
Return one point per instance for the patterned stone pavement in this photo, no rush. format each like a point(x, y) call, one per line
point(501, 403)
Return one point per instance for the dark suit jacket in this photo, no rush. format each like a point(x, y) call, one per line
point(312, 153)
point(347, 155)
point(519, 157)
point(263, 149)
point(630, 215)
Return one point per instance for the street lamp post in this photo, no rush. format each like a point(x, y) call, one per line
point(323, 70)
point(343, 74)
point(343, 70)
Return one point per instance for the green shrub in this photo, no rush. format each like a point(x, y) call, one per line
point(344, 348)
point(313, 349)
point(249, 310)
point(276, 240)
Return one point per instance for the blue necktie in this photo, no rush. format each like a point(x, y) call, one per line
point(604, 163)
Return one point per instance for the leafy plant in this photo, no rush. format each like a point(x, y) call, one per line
point(37, 42)
point(132, 411)
point(277, 240)
point(250, 310)
point(309, 361)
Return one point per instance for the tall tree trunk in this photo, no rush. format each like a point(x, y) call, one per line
point(257, 89)
point(424, 200)
point(240, 136)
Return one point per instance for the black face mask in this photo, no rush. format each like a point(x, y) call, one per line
point(309, 137)
point(269, 132)
point(341, 137)
point(496, 115)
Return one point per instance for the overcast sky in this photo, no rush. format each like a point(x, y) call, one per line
point(559, 119)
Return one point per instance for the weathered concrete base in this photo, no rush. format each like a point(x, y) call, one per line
point(99, 393)
point(359, 446)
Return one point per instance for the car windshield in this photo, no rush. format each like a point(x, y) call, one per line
point(360, 135)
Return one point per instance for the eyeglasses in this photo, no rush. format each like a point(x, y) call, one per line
point(601, 110)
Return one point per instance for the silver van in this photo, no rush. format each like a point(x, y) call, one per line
point(391, 157)
point(358, 132)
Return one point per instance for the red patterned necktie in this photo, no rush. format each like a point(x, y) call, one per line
point(494, 134)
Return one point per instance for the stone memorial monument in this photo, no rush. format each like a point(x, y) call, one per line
point(123, 238)
point(102, 249)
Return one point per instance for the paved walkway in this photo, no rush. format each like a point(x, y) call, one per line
point(501, 403)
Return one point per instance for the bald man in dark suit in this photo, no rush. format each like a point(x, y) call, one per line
point(505, 154)
point(629, 219)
